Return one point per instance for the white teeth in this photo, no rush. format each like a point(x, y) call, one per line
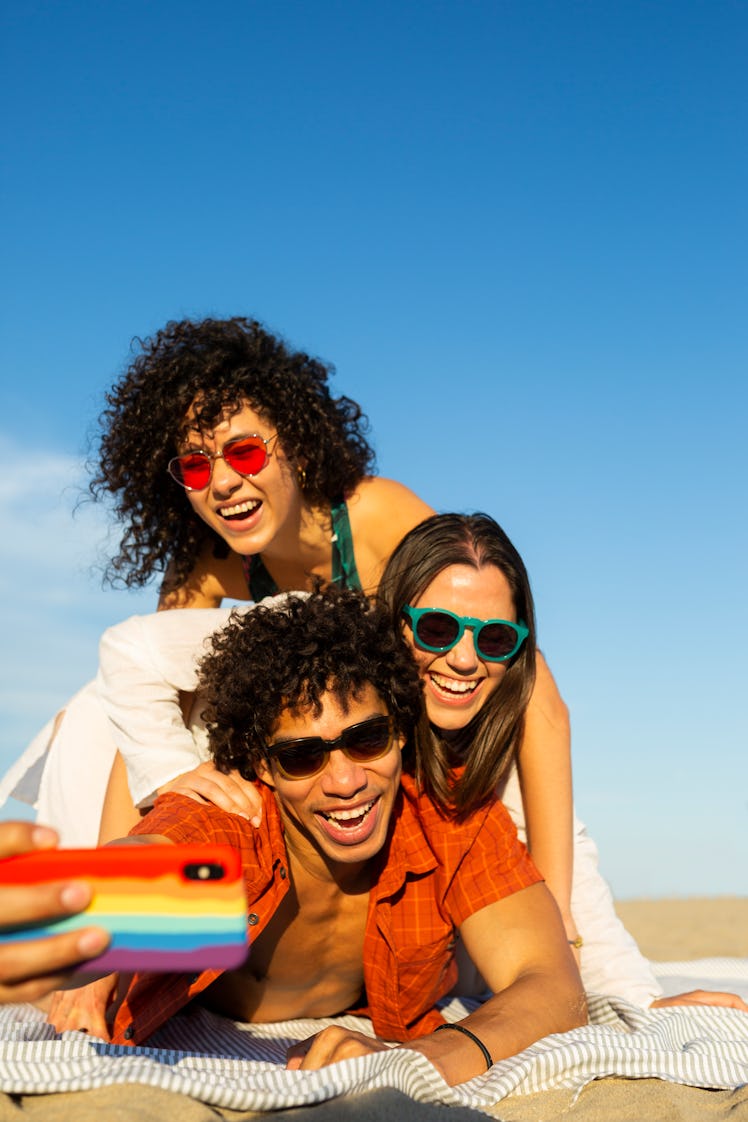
point(346, 815)
point(240, 508)
point(452, 685)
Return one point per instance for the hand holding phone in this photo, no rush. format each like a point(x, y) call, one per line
point(175, 908)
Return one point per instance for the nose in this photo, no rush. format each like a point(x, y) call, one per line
point(463, 656)
point(224, 479)
point(343, 776)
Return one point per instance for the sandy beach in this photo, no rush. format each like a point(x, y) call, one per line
point(696, 927)
point(666, 930)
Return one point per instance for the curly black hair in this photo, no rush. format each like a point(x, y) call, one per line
point(214, 365)
point(284, 656)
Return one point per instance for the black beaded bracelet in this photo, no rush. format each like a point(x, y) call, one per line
point(475, 1040)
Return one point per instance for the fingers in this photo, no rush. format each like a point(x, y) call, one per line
point(229, 792)
point(29, 970)
point(24, 904)
point(703, 997)
point(20, 837)
point(330, 1046)
point(84, 1008)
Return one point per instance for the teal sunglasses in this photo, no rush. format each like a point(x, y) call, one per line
point(437, 630)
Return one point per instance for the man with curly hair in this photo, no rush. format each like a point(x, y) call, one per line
point(357, 883)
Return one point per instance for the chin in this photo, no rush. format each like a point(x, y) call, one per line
point(449, 719)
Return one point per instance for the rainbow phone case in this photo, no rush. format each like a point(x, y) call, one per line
point(175, 908)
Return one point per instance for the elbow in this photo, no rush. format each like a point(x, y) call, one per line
point(578, 1013)
point(574, 1005)
point(569, 1006)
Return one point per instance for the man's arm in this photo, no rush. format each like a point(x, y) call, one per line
point(519, 946)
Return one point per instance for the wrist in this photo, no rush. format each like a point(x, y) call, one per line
point(476, 1040)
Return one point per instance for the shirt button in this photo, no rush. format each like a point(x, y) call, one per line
point(253, 919)
point(129, 1032)
point(282, 873)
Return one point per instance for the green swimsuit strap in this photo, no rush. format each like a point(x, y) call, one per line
point(259, 581)
point(344, 570)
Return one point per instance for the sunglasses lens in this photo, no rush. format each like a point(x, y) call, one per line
point(496, 640)
point(304, 759)
point(191, 470)
point(437, 629)
point(247, 457)
point(368, 740)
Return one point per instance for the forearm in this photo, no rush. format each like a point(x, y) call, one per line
point(544, 766)
point(537, 1004)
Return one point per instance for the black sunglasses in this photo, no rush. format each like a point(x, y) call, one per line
point(307, 756)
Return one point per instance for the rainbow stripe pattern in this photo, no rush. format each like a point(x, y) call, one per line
point(159, 919)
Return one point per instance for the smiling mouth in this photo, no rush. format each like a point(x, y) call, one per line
point(456, 686)
point(348, 819)
point(240, 510)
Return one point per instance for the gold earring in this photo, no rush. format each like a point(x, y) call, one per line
point(301, 477)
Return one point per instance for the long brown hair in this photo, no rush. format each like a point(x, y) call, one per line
point(489, 743)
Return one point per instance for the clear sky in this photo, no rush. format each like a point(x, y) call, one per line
point(518, 230)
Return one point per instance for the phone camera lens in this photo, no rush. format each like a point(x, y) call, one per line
point(204, 870)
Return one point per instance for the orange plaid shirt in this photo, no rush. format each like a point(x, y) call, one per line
point(431, 874)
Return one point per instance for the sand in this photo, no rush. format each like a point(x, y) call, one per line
point(628, 1100)
point(671, 930)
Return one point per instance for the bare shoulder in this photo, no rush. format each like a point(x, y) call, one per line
point(384, 506)
point(211, 580)
point(381, 512)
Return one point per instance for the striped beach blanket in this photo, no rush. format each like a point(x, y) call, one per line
point(242, 1067)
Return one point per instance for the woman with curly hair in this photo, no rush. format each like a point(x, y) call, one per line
point(236, 473)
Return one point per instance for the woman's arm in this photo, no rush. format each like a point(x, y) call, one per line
point(544, 766)
point(212, 580)
point(119, 813)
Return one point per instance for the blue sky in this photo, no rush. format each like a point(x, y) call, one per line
point(518, 230)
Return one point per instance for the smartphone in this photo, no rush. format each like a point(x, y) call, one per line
point(175, 908)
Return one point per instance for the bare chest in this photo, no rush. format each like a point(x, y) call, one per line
point(308, 961)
